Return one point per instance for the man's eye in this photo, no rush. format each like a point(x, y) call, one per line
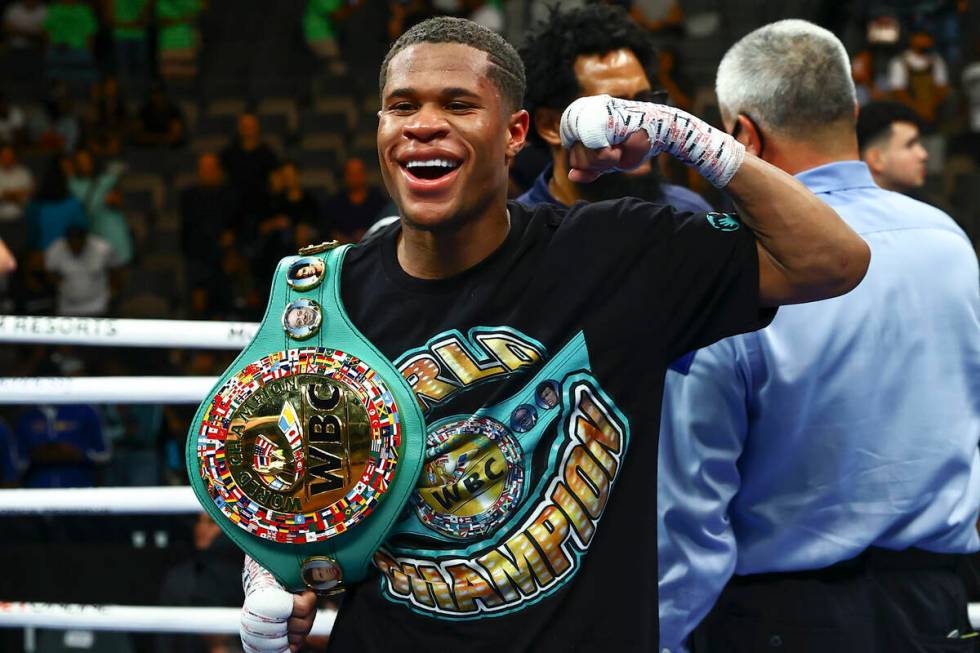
point(401, 107)
point(458, 106)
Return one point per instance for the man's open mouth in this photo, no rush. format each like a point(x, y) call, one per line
point(430, 169)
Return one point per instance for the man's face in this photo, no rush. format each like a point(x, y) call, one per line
point(248, 127)
point(84, 166)
point(901, 161)
point(445, 136)
point(300, 317)
point(7, 157)
point(209, 170)
point(355, 174)
point(76, 243)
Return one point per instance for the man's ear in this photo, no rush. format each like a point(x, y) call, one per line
point(548, 122)
point(517, 129)
point(874, 159)
point(748, 135)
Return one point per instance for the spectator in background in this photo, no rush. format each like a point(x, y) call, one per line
point(58, 129)
point(16, 185)
point(656, 15)
point(867, 84)
point(319, 21)
point(70, 27)
point(566, 57)
point(88, 187)
point(918, 77)
point(8, 264)
point(405, 14)
point(249, 162)
point(290, 206)
point(61, 446)
point(209, 211)
point(129, 20)
point(211, 577)
point(355, 208)
point(133, 430)
point(888, 139)
point(23, 24)
point(178, 41)
point(53, 208)
point(483, 12)
point(9, 461)
point(102, 203)
point(85, 270)
point(111, 118)
point(161, 122)
point(110, 223)
point(971, 93)
point(13, 122)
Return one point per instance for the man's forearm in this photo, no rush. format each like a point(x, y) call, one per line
point(806, 252)
point(815, 253)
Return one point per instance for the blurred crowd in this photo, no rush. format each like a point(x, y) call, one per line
point(142, 174)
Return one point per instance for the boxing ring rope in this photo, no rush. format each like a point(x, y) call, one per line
point(111, 332)
point(105, 389)
point(167, 500)
point(135, 618)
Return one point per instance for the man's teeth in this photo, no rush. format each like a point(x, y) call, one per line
point(440, 163)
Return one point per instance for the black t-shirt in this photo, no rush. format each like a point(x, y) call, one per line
point(540, 372)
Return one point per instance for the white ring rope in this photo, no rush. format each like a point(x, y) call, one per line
point(105, 389)
point(973, 610)
point(135, 618)
point(97, 331)
point(167, 500)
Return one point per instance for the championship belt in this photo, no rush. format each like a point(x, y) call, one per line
point(310, 444)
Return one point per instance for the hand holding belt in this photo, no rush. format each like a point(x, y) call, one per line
point(311, 442)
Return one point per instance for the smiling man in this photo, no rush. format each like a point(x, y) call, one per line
point(533, 527)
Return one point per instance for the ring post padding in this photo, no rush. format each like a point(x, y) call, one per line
point(354, 547)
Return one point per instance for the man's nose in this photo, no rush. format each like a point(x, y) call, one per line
point(428, 123)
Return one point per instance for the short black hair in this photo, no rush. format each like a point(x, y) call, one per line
point(505, 68)
point(875, 121)
point(553, 44)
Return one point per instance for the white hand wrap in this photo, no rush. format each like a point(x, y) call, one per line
point(265, 613)
point(600, 121)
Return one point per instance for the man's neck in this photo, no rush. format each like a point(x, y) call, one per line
point(427, 254)
point(796, 155)
point(560, 186)
point(885, 183)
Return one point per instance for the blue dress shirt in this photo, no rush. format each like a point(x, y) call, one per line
point(847, 423)
point(680, 198)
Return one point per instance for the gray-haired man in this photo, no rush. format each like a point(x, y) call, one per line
point(830, 460)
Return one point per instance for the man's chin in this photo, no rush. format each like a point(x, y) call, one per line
point(433, 219)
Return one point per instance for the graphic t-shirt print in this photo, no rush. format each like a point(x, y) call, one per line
point(510, 497)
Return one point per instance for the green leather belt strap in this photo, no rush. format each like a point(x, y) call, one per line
point(310, 444)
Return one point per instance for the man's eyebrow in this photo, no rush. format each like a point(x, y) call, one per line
point(457, 91)
point(451, 91)
point(401, 92)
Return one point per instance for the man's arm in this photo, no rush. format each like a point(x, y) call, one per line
point(702, 431)
point(806, 252)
